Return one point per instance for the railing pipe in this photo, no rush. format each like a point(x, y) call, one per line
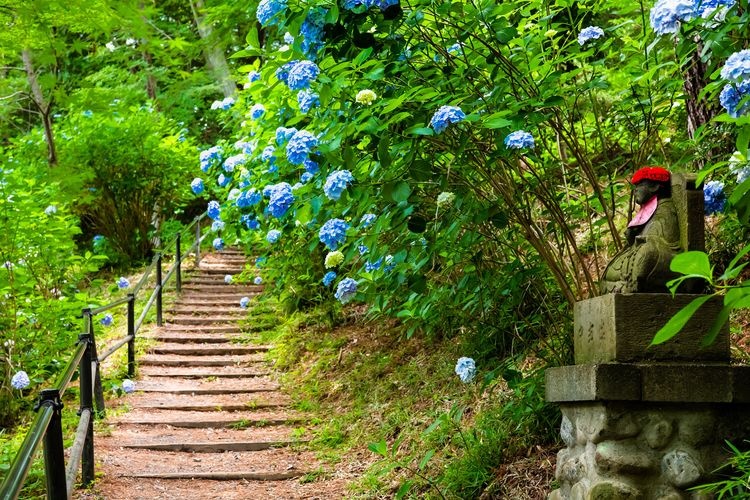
point(147, 307)
point(64, 379)
point(77, 450)
point(145, 276)
point(18, 471)
point(98, 391)
point(101, 309)
point(54, 451)
point(197, 240)
point(158, 290)
point(86, 389)
point(131, 334)
point(178, 264)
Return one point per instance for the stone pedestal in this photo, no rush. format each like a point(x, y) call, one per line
point(644, 422)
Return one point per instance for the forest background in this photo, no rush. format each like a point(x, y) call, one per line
point(456, 171)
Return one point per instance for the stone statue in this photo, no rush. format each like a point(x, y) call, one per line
point(653, 238)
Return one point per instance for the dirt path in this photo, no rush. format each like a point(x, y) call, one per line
point(208, 419)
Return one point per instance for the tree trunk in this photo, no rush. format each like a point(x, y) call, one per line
point(44, 107)
point(215, 59)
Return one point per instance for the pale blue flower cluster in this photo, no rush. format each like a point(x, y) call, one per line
point(373, 266)
point(282, 74)
point(328, 278)
point(228, 279)
point(666, 15)
point(250, 222)
point(302, 74)
point(217, 225)
point(234, 161)
point(444, 116)
point(305, 177)
point(311, 166)
point(312, 31)
point(268, 12)
point(466, 369)
point(519, 140)
point(307, 99)
point(346, 290)
point(257, 111)
point(224, 104)
point(280, 198)
point(244, 301)
point(248, 198)
point(107, 320)
point(381, 4)
point(299, 146)
point(214, 209)
point(336, 183)
point(123, 283)
point(732, 95)
point(218, 244)
point(589, 33)
point(197, 185)
point(362, 249)
point(367, 220)
point(50, 210)
point(283, 134)
point(333, 233)
point(456, 49)
point(208, 156)
point(267, 154)
point(714, 197)
point(253, 76)
point(737, 67)
point(128, 386)
point(273, 236)
point(258, 280)
point(223, 180)
point(20, 380)
point(705, 8)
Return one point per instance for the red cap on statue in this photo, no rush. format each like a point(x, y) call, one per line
point(657, 174)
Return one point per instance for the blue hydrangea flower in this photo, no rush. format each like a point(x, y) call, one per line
point(273, 236)
point(305, 177)
point(590, 33)
point(197, 185)
point(302, 74)
point(209, 156)
point(466, 369)
point(519, 140)
point(336, 183)
point(288, 38)
point(244, 301)
point(333, 233)
point(224, 104)
point(123, 283)
point(367, 220)
point(732, 95)
point(307, 99)
point(346, 290)
point(714, 197)
point(312, 31)
point(259, 261)
point(248, 198)
point(444, 116)
point(217, 225)
point(128, 386)
point(283, 134)
point(456, 49)
point(705, 8)
point(107, 320)
point(329, 277)
point(257, 111)
point(250, 222)
point(214, 209)
point(258, 280)
point(282, 74)
point(267, 154)
point(299, 147)
point(389, 264)
point(20, 380)
point(373, 266)
point(234, 161)
point(269, 12)
point(98, 239)
point(218, 244)
point(88, 113)
point(50, 210)
point(280, 198)
point(311, 166)
point(223, 180)
point(737, 67)
point(228, 279)
point(246, 147)
point(253, 76)
point(666, 15)
point(363, 249)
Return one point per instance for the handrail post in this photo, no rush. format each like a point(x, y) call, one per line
point(98, 392)
point(131, 333)
point(158, 289)
point(87, 403)
point(197, 241)
point(54, 451)
point(178, 263)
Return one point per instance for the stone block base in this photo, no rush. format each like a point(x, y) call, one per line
point(639, 450)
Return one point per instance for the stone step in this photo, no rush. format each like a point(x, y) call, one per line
point(204, 402)
point(170, 329)
point(217, 419)
point(202, 309)
point(199, 372)
point(204, 320)
point(221, 270)
point(210, 446)
point(192, 361)
point(208, 350)
point(222, 288)
point(213, 300)
point(195, 338)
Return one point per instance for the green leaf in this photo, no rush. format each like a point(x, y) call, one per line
point(692, 263)
point(497, 120)
point(721, 318)
point(381, 448)
point(397, 192)
point(678, 321)
point(404, 489)
point(426, 458)
point(420, 131)
point(384, 155)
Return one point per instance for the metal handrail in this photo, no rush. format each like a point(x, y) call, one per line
point(47, 425)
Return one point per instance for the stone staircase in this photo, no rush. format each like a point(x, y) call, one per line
point(208, 419)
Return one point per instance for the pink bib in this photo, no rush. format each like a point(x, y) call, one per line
point(645, 213)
